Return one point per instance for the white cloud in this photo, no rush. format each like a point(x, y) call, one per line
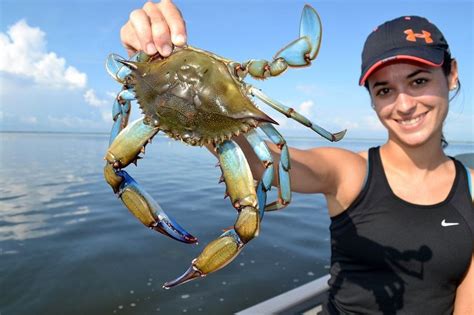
point(23, 52)
point(305, 108)
point(91, 98)
point(372, 123)
point(346, 123)
point(103, 104)
point(30, 120)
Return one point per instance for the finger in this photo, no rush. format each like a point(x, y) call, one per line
point(175, 22)
point(159, 28)
point(129, 39)
point(141, 24)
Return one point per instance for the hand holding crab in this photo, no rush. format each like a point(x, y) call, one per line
point(201, 99)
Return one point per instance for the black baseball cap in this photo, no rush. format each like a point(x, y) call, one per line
point(407, 38)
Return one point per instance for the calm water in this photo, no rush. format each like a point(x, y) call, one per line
point(68, 246)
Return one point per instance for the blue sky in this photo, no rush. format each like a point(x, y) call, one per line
point(52, 56)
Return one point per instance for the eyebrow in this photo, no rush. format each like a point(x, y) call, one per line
point(411, 75)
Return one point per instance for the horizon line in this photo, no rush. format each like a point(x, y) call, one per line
point(164, 135)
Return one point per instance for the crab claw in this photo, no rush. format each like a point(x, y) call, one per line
point(217, 254)
point(116, 68)
point(148, 211)
point(301, 51)
point(190, 274)
point(311, 28)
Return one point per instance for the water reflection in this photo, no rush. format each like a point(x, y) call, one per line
point(29, 204)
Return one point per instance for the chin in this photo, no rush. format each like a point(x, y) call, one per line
point(414, 140)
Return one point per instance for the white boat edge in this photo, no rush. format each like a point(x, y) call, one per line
point(290, 299)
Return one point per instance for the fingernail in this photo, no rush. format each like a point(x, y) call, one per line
point(165, 50)
point(179, 40)
point(150, 49)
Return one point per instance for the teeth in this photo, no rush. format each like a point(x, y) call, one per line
point(410, 121)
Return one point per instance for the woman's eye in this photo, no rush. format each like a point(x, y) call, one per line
point(420, 81)
point(382, 92)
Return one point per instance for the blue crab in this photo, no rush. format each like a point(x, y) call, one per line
point(200, 99)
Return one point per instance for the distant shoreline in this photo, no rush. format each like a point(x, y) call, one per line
point(162, 135)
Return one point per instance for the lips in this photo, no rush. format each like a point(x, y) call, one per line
point(411, 122)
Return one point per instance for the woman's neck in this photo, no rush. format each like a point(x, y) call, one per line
point(426, 156)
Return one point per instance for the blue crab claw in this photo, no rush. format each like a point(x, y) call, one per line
point(298, 53)
point(311, 28)
point(304, 49)
point(215, 256)
point(116, 68)
point(148, 211)
point(240, 188)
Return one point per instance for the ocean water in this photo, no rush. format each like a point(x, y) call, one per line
point(68, 246)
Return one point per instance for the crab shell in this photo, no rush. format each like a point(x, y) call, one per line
point(194, 96)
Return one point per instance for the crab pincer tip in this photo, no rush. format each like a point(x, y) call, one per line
point(177, 234)
point(190, 274)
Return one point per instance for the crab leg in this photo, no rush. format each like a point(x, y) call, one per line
point(284, 191)
point(144, 207)
point(129, 143)
point(120, 114)
point(124, 149)
point(121, 107)
point(291, 113)
point(240, 189)
point(263, 153)
point(298, 53)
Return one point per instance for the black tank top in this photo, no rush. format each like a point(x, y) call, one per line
point(389, 256)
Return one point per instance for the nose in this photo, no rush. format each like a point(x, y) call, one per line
point(405, 103)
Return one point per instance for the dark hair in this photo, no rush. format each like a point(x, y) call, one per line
point(447, 71)
point(446, 67)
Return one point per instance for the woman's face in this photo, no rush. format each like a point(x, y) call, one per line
point(411, 100)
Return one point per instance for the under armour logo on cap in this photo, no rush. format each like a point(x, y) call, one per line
point(412, 36)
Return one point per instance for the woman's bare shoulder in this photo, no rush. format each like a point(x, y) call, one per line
point(348, 170)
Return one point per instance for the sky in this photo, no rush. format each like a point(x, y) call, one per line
point(52, 53)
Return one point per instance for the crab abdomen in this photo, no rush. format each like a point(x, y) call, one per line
point(192, 96)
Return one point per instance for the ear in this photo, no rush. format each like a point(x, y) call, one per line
point(453, 76)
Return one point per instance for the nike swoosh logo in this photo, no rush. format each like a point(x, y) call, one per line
point(444, 223)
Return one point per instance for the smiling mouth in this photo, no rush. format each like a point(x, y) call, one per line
point(411, 121)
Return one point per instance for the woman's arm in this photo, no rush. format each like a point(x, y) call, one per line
point(316, 170)
point(464, 303)
point(337, 173)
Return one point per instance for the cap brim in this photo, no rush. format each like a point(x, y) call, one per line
point(431, 57)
